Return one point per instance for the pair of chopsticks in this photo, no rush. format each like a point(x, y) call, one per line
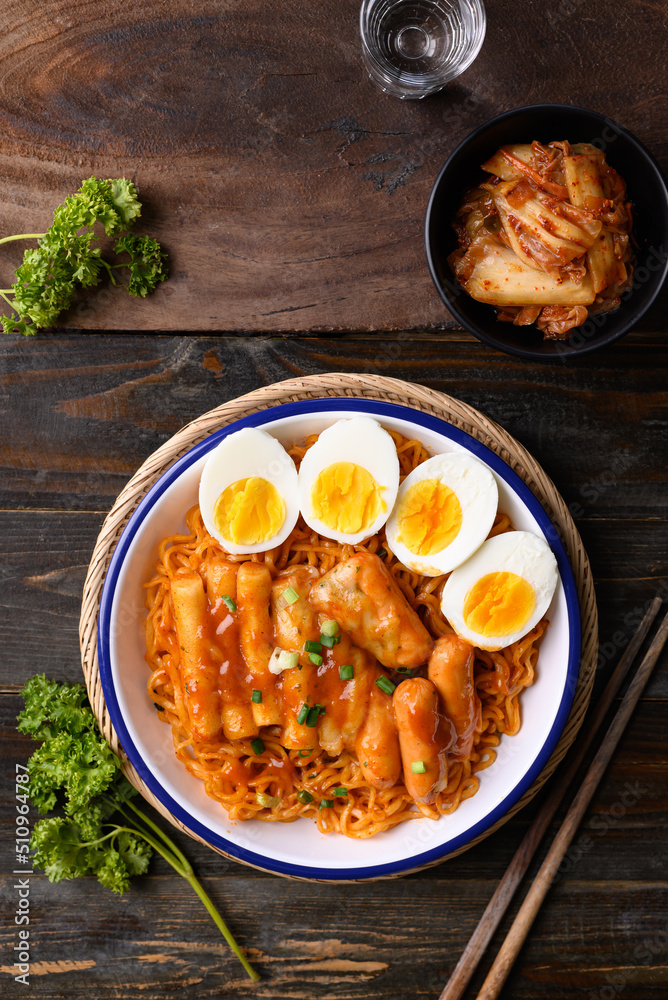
point(505, 891)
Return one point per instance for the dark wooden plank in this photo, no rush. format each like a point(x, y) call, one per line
point(154, 941)
point(42, 581)
point(80, 414)
point(289, 191)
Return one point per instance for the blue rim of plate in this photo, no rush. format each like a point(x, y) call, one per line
point(378, 409)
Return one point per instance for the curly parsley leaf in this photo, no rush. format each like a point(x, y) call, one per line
point(133, 852)
point(99, 831)
point(64, 850)
point(147, 263)
point(81, 766)
point(59, 849)
point(125, 201)
point(68, 255)
point(112, 873)
point(13, 324)
point(51, 708)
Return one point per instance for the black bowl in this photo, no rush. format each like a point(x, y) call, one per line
point(647, 191)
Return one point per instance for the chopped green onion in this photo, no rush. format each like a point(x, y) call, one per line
point(312, 717)
point(339, 791)
point(328, 640)
point(385, 684)
point(316, 659)
point(403, 670)
point(347, 672)
point(228, 602)
point(289, 659)
point(304, 796)
point(301, 718)
point(326, 803)
point(281, 660)
point(417, 767)
point(290, 596)
point(381, 553)
point(337, 640)
point(256, 697)
point(330, 628)
point(311, 646)
point(305, 753)
point(267, 801)
point(257, 746)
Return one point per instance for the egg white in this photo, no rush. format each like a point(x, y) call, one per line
point(360, 440)
point(476, 489)
point(520, 552)
point(245, 453)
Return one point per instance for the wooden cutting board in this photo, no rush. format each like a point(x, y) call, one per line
point(289, 190)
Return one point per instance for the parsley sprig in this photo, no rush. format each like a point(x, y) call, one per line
point(99, 830)
point(69, 255)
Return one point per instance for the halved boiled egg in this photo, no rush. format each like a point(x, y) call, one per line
point(502, 591)
point(444, 511)
point(348, 480)
point(248, 492)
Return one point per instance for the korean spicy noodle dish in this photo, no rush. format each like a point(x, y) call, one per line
point(546, 238)
point(323, 676)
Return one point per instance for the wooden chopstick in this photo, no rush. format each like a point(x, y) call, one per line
point(527, 912)
point(515, 872)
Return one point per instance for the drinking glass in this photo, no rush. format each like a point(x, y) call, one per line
point(412, 48)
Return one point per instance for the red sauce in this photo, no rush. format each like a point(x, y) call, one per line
point(346, 701)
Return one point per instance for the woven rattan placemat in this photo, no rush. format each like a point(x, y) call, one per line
point(361, 387)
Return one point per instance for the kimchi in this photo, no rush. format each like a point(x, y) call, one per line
point(546, 239)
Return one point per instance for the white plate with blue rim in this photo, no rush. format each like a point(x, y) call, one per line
point(298, 849)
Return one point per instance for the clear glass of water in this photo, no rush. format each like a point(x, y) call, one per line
point(412, 48)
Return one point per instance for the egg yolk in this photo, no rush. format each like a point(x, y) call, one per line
point(249, 511)
point(498, 604)
point(429, 518)
point(346, 498)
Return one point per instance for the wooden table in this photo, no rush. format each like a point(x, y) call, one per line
point(290, 195)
